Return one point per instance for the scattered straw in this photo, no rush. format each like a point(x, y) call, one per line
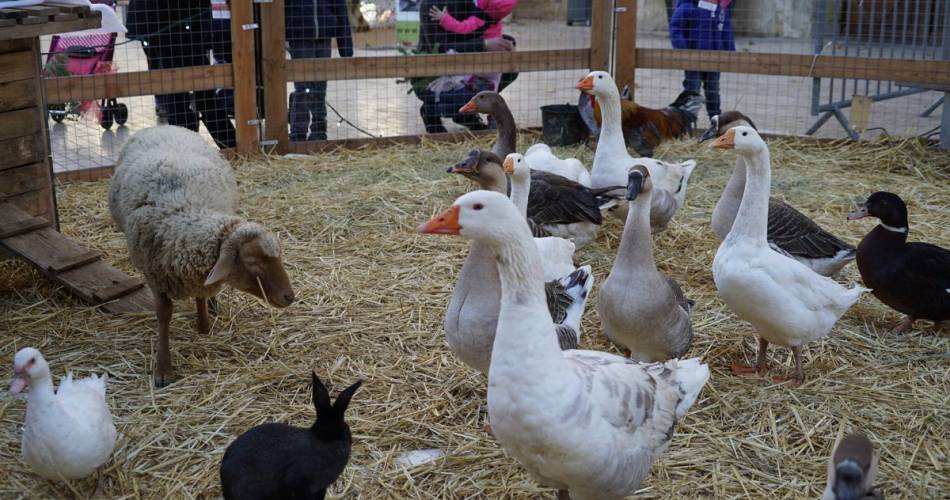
point(372, 293)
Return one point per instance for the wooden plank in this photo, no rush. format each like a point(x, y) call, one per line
point(36, 10)
point(117, 289)
point(136, 302)
point(14, 181)
point(15, 45)
point(19, 151)
point(245, 77)
point(601, 35)
point(67, 7)
point(7, 22)
point(625, 64)
point(360, 68)
point(138, 83)
point(43, 248)
point(14, 221)
point(913, 71)
point(41, 117)
point(69, 262)
point(16, 66)
point(31, 20)
point(18, 123)
point(58, 18)
point(92, 20)
point(93, 174)
point(17, 95)
point(274, 67)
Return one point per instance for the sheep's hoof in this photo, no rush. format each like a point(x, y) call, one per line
point(163, 380)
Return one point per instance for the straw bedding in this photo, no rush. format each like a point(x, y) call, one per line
point(372, 294)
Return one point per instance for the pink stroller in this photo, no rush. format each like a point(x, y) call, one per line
point(85, 55)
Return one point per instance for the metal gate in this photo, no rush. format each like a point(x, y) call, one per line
point(905, 29)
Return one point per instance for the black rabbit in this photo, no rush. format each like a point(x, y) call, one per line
point(280, 461)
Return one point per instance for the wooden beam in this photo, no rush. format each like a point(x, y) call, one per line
point(601, 34)
point(625, 58)
point(274, 59)
point(860, 68)
point(92, 20)
point(360, 68)
point(245, 77)
point(136, 83)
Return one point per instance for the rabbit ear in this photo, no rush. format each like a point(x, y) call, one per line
point(343, 399)
point(321, 397)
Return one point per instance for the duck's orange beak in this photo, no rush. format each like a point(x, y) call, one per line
point(469, 107)
point(508, 166)
point(446, 223)
point(725, 141)
point(586, 84)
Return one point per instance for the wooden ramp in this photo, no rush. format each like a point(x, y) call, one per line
point(81, 271)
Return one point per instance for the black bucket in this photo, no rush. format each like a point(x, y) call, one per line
point(562, 125)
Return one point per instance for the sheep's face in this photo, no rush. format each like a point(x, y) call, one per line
point(261, 271)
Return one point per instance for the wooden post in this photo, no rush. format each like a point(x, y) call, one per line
point(245, 81)
point(601, 34)
point(625, 59)
point(275, 75)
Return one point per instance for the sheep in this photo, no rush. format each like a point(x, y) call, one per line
point(175, 199)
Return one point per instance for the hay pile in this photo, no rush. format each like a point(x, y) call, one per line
point(372, 294)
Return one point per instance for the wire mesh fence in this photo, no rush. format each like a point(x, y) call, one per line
point(301, 72)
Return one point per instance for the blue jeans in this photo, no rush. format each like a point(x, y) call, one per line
point(710, 83)
point(308, 101)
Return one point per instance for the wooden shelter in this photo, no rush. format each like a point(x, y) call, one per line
point(28, 220)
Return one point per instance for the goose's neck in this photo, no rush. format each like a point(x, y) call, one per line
point(636, 244)
point(525, 330)
point(41, 389)
point(752, 220)
point(736, 183)
point(520, 191)
point(611, 140)
point(724, 213)
point(507, 140)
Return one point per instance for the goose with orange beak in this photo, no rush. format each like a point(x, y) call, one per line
point(790, 232)
point(785, 301)
point(548, 407)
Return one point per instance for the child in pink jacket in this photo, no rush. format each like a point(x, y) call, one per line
point(495, 9)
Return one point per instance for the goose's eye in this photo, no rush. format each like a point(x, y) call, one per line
point(745, 134)
point(478, 206)
point(600, 77)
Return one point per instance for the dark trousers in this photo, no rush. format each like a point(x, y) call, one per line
point(308, 101)
point(447, 105)
point(185, 109)
point(710, 84)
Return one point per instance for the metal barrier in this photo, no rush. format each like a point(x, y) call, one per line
point(876, 29)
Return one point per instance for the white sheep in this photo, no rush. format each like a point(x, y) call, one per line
point(175, 199)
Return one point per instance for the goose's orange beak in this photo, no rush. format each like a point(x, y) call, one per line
point(508, 166)
point(726, 141)
point(446, 223)
point(586, 84)
point(469, 107)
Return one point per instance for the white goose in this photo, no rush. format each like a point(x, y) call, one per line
point(612, 163)
point(540, 157)
point(68, 434)
point(588, 423)
point(787, 303)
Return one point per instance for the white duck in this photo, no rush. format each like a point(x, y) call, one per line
point(540, 157)
point(787, 303)
point(643, 311)
point(612, 163)
point(790, 232)
point(588, 423)
point(69, 434)
point(472, 315)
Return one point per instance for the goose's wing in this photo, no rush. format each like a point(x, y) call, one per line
point(566, 337)
point(796, 234)
point(662, 208)
point(641, 400)
point(554, 199)
point(558, 301)
point(537, 230)
point(685, 303)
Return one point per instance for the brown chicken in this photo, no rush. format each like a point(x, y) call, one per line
point(644, 128)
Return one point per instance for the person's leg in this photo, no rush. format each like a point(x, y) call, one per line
point(429, 112)
point(176, 107)
point(301, 101)
point(214, 113)
point(711, 89)
point(693, 81)
point(318, 110)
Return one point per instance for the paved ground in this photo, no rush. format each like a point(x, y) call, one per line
point(383, 107)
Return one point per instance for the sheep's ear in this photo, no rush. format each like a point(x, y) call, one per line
point(321, 397)
point(222, 269)
point(343, 399)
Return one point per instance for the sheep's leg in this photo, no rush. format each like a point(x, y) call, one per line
point(202, 324)
point(163, 361)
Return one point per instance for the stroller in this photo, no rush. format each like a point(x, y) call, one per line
point(85, 55)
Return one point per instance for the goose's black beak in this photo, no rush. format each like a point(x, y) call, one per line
point(634, 185)
point(712, 131)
